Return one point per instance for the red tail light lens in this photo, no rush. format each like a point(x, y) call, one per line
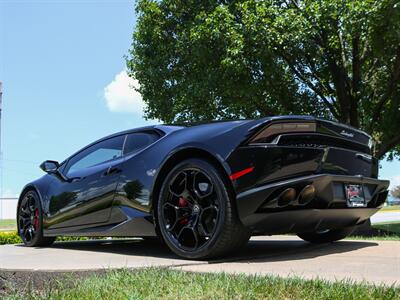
point(239, 174)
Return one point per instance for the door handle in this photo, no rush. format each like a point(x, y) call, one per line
point(111, 170)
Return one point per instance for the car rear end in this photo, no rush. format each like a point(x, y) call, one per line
point(300, 174)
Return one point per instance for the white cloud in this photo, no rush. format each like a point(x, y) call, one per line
point(121, 96)
point(394, 182)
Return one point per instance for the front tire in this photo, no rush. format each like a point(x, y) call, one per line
point(326, 236)
point(196, 216)
point(30, 221)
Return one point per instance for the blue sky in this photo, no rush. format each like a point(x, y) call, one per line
point(56, 58)
point(61, 64)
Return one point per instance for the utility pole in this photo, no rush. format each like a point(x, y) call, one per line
point(1, 152)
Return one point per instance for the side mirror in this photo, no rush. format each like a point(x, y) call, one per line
point(50, 166)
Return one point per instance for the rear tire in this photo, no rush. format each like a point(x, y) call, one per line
point(195, 212)
point(30, 221)
point(326, 236)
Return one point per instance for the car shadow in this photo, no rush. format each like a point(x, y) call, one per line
point(290, 250)
point(255, 251)
point(133, 247)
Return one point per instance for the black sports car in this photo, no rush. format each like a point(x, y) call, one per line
point(205, 189)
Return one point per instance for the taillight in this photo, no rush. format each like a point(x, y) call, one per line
point(271, 131)
point(239, 174)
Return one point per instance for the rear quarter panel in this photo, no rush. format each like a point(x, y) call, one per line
point(141, 170)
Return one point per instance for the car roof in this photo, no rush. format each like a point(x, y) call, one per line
point(164, 128)
point(168, 128)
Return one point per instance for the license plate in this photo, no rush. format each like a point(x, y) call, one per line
point(355, 195)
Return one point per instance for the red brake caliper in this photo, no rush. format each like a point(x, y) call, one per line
point(183, 203)
point(36, 219)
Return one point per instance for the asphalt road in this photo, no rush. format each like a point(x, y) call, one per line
point(372, 261)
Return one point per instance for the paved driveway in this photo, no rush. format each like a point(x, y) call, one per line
point(377, 262)
point(383, 217)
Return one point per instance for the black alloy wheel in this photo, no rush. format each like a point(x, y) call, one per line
point(29, 221)
point(195, 212)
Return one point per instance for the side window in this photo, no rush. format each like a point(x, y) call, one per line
point(139, 140)
point(96, 154)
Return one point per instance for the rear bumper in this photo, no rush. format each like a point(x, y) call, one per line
point(307, 220)
point(260, 210)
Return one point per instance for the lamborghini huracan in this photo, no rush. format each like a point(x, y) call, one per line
point(205, 189)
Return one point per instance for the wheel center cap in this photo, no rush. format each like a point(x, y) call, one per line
point(196, 208)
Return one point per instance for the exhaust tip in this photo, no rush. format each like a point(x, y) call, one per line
point(306, 195)
point(287, 196)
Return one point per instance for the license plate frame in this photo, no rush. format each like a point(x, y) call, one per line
point(355, 195)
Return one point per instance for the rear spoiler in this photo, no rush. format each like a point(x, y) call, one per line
point(290, 124)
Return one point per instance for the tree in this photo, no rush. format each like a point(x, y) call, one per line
point(200, 60)
point(395, 192)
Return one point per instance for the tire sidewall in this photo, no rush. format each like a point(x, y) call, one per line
point(222, 194)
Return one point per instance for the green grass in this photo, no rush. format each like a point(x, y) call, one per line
point(12, 237)
point(156, 283)
point(394, 237)
point(8, 225)
point(391, 208)
point(389, 226)
point(11, 222)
